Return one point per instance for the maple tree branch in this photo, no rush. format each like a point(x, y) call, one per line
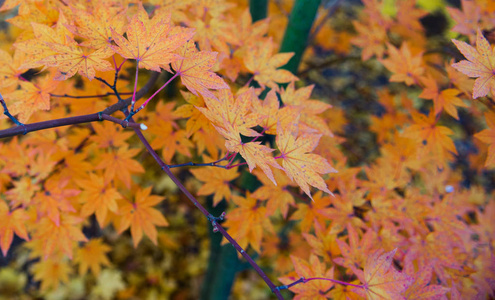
point(210, 164)
point(304, 280)
point(88, 96)
point(214, 220)
point(25, 128)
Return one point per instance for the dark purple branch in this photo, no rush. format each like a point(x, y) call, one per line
point(88, 96)
point(78, 119)
point(211, 218)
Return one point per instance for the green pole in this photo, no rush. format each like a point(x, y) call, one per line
point(296, 35)
point(258, 9)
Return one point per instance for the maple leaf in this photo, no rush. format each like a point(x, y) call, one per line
point(354, 252)
point(480, 64)
point(235, 112)
point(311, 211)
point(467, 19)
point(11, 222)
point(421, 289)
point(216, 181)
point(55, 199)
point(60, 237)
point(278, 197)
point(264, 66)
point(314, 289)
point(92, 256)
point(109, 135)
point(323, 242)
point(380, 279)
point(270, 114)
point(300, 165)
point(446, 99)
point(119, 163)
point(196, 120)
point(194, 70)
point(403, 64)
point(98, 197)
point(51, 272)
point(308, 109)
point(151, 42)
point(97, 26)
point(10, 70)
point(141, 216)
point(248, 222)
point(31, 97)
point(71, 59)
point(172, 141)
point(254, 153)
point(371, 39)
point(434, 139)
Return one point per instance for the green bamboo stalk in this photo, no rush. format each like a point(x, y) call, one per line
point(223, 262)
point(258, 9)
point(296, 35)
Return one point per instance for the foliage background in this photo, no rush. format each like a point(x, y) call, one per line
point(398, 185)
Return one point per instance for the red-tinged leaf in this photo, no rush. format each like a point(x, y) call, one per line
point(194, 70)
point(313, 268)
point(421, 289)
point(480, 64)
point(381, 280)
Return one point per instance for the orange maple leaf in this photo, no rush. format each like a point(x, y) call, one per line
point(248, 222)
point(71, 59)
point(480, 64)
point(446, 99)
point(11, 222)
point(380, 279)
point(98, 197)
point(215, 181)
point(300, 165)
point(488, 136)
point(434, 139)
point(194, 70)
point(151, 42)
point(60, 237)
point(119, 163)
point(403, 64)
point(264, 66)
point(141, 216)
point(31, 98)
